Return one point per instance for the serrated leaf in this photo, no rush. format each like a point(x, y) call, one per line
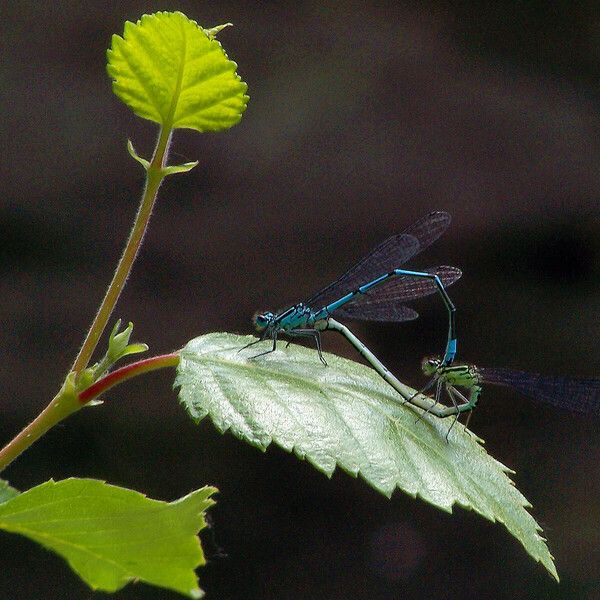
point(6, 491)
point(111, 535)
point(345, 414)
point(168, 70)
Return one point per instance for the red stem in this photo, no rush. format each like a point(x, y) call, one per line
point(127, 372)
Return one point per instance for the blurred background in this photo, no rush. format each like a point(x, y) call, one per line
point(363, 117)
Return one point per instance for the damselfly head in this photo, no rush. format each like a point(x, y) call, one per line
point(430, 364)
point(262, 320)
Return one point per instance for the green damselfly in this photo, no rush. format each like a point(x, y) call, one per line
point(571, 393)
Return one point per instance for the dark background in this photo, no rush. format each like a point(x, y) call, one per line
point(363, 117)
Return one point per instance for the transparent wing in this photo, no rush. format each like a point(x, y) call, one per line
point(396, 250)
point(384, 302)
point(378, 312)
point(571, 393)
point(389, 255)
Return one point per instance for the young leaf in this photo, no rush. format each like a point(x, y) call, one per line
point(145, 163)
point(111, 535)
point(6, 491)
point(212, 32)
point(345, 414)
point(169, 70)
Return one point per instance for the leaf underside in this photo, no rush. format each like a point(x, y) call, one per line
point(345, 415)
point(111, 535)
point(168, 70)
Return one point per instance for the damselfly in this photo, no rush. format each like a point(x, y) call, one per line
point(571, 393)
point(373, 289)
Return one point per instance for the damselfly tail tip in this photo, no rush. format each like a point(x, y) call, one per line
point(440, 215)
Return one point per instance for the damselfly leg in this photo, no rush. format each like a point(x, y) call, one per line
point(308, 333)
point(274, 337)
point(438, 394)
point(423, 390)
point(262, 338)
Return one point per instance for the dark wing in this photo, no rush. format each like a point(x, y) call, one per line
point(389, 255)
point(571, 393)
point(383, 303)
point(376, 311)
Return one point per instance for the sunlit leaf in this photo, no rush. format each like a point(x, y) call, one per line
point(345, 415)
point(111, 535)
point(171, 71)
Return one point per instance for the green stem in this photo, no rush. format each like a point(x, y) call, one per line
point(154, 177)
point(62, 405)
point(68, 401)
point(127, 372)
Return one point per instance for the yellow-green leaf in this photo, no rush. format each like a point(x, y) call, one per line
point(169, 70)
point(111, 535)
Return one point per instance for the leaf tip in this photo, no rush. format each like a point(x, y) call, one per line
point(184, 168)
point(212, 32)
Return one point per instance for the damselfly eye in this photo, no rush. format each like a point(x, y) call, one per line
point(262, 320)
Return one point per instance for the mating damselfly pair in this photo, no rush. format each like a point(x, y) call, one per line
point(376, 288)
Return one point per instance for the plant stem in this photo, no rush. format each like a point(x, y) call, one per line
point(68, 401)
point(127, 372)
point(62, 405)
point(154, 177)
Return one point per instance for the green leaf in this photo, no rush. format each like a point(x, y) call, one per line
point(212, 32)
point(111, 535)
point(145, 163)
point(169, 170)
point(345, 414)
point(6, 491)
point(183, 168)
point(119, 346)
point(169, 70)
